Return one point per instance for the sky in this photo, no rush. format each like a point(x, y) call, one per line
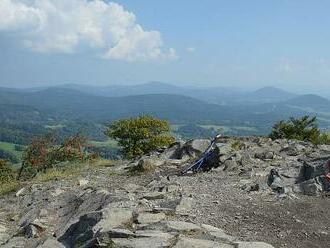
point(236, 43)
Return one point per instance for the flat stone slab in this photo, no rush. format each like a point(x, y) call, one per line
point(51, 243)
point(3, 235)
point(217, 233)
point(153, 242)
point(147, 218)
point(154, 195)
point(114, 218)
point(184, 242)
point(254, 245)
point(182, 226)
point(153, 233)
point(184, 206)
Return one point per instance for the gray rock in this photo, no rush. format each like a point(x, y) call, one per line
point(16, 242)
point(154, 195)
point(133, 188)
point(172, 152)
point(312, 187)
point(194, 148)
point(184, 206)
point(230, 165)
point(182, 226)
point(147, 218)
point(115, 218)
point(153, 242)
point(51, 243)
point(225, 148)
point(274, 181)
point(81, 231)
point(21, 192)
point(264, 155)
point(290, 151)
point(157, 209)
point(313, 169)
point(3, 234)
point(184, 242)
point(217, 233)
point(148, 164)
point(254, 245)
point(103, 223)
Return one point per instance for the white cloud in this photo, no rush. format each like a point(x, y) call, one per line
point(66, 26)
point(191, 49)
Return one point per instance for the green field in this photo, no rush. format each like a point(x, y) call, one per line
point(175, 127)
point(230, 128)
point(108, 143)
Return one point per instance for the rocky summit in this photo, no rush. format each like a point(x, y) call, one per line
point(259, 193)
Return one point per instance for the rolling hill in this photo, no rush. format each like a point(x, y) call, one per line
point(310, 102)
point(217, 95)
point(57, 103)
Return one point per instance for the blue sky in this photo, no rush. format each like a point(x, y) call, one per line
point(235, 43)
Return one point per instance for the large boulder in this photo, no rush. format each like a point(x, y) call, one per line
point(313, 169)
point(109, 222)
point(275, 181)
point(312, 187)
point(173, 151)
point(194, 148)
point(148, 164)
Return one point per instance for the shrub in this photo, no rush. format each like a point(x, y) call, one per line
point(43, 153)
point(19, 148)
point(9, 187)
point(324, 138)
point(6, 172)
point(304, 128)
point(138, 136)
point(72, 149)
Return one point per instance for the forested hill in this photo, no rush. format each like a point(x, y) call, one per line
point(62, 103)
point(58, 104)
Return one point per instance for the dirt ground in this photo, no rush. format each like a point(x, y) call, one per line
point(296, 221)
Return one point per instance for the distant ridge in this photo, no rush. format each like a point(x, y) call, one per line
point(313, 101)
point(268, 94)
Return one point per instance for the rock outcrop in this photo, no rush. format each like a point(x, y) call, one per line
point(158, 208)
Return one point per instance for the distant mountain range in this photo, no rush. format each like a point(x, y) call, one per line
point(218, 95)
point(180, 105)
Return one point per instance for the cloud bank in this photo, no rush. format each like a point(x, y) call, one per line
point(68, 26)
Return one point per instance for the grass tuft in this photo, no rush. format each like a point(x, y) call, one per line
point(8, 187)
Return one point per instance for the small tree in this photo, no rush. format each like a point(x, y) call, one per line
point(304, 128)
point(138, 136)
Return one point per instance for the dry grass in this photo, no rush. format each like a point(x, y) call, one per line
point(105, 163)
point(8, 187)
point(58, 174)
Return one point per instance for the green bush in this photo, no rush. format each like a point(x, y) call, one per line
point(6, 172)
point(138, 136)
point(304, 128)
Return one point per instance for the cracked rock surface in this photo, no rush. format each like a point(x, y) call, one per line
point(239, 204)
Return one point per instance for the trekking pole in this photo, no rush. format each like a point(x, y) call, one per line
point(197, 165)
